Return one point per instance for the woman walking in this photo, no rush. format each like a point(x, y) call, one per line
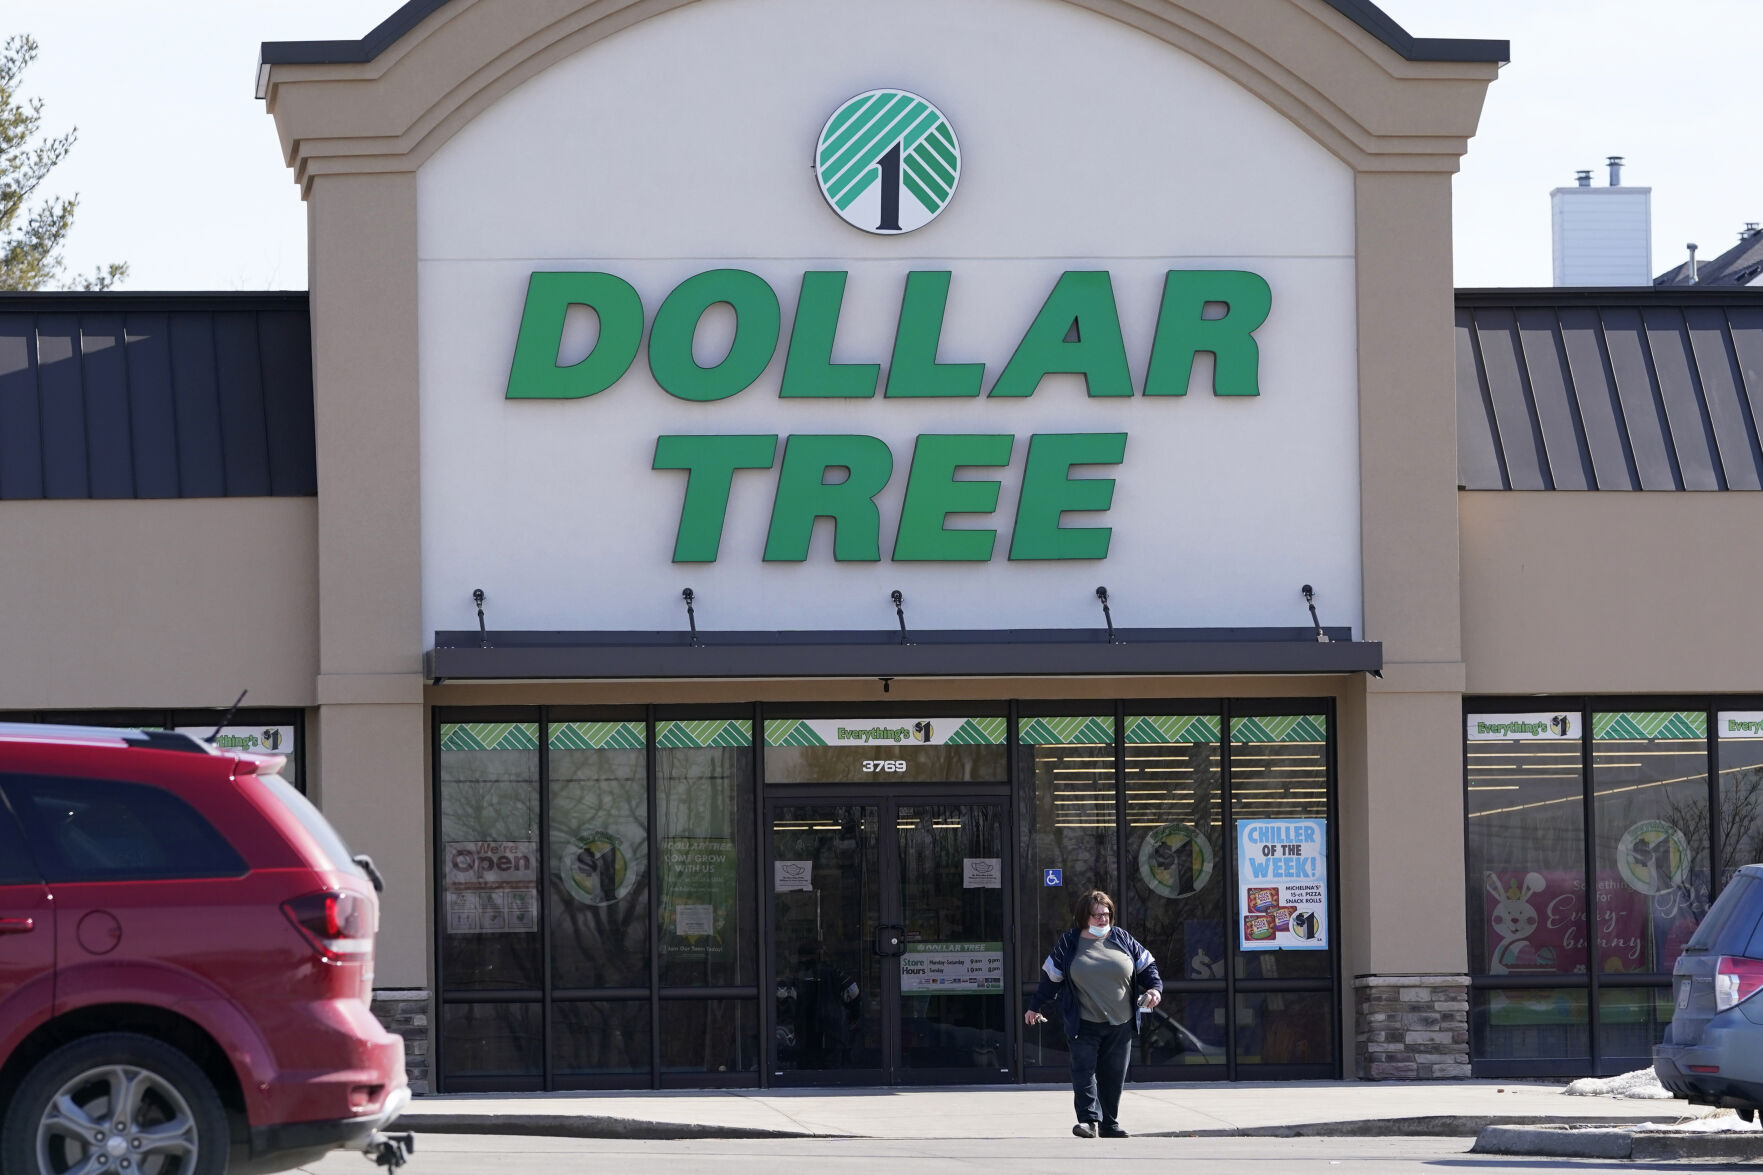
point(1102, 979)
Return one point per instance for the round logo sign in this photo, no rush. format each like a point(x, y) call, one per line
point(888, 162)
point(595, 869)
point(1653, 857)
point(1176, 860)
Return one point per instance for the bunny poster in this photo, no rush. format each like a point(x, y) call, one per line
point(1536, 923)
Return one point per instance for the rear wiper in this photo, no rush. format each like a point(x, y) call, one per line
point(373, 875)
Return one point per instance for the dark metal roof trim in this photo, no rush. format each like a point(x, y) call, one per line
point(125, 395)
point(1039, 652)
point(1471, 297)
point(1627, 388)
point(1363, 13)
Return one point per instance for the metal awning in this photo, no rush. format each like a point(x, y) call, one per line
point(468, 655)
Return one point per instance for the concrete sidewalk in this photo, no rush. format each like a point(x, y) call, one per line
point(1458, 1108)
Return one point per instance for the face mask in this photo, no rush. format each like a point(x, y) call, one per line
point(1098, 931)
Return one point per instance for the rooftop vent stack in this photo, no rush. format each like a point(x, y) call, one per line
point(1750, 230)
point(1602, 236)
point(1692, 248)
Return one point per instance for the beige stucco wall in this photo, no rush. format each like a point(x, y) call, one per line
point(158, 604)
point(1611, 592)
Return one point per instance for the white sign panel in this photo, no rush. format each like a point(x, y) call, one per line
point(256, 740)
point(1543, 725)
point(856, 732)
point(575, 513)
point(480, 864)
point(492, 887)
point(1282, 885)
point(792, 875)
point(952, 968)
point(1739, 724)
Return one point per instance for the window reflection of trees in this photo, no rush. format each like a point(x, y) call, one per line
point(1070, 827)
point(1181, 921)
point(1275, 781)
point(1650, 897)
point(490, 795)
point(1741, 805)
point(698, 801)
point(603, 943)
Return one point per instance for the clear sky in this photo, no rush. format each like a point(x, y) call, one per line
point(163, 91)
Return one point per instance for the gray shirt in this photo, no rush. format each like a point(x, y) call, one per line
point(1102, 976)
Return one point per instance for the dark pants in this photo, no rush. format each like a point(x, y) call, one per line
point(1099, 1057)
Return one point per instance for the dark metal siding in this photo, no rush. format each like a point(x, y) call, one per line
point(1619, 389)
point(155, 396)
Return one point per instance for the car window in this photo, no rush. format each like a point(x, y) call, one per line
point(17, 867)
point(106, 830)
point(1733, 903)
point(311, 819)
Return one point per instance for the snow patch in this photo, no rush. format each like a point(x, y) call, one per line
point(1642, 1083)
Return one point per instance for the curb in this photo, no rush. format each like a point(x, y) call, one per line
point(1600, 1142)
point(587, 1126)
point(1429, 1126)
point(1426, 1126)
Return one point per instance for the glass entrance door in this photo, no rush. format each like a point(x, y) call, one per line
point(888, 942)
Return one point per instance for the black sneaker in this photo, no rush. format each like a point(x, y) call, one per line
point(1114, 1131)
point(1084, 1130)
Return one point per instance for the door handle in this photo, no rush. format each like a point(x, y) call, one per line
point(17, 925)
point(890, 941)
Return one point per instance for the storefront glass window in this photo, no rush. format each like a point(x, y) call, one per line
point(1066, 764)
point(599, 1040)
point(1631, 1020)
point(1741, 790)
point(1529, 1024)
point(599, 907)
point(489, 777)
point(1279, 771)
point(1284, 1028)
point(1650, 791)
point(1176, 880)
point(709, 1036)
point(492, 1046)
point(704, 811)
point(1526, 847)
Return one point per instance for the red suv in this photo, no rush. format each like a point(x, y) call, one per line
point(186, 960)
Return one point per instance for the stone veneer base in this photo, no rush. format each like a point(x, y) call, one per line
point(405, 1011)
point(1411, 1027)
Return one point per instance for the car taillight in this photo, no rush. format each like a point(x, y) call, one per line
point(338, 923)
point(1736, 979)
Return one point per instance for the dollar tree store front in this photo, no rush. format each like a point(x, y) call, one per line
point(867, 898)
point(791, 521)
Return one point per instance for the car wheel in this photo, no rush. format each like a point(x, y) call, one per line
point(115, 1104)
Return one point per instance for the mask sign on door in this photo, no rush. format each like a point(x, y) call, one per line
point(982, 873)
point(792, 875)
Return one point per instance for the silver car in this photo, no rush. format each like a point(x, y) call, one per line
point(1713, 1050)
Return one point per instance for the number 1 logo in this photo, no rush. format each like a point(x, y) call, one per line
point(888, 162)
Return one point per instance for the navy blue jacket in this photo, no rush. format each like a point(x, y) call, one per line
point(1055, 986)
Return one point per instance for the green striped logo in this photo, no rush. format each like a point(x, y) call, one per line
point(1285, 728)
point(1637, 725)
point(888, 162)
